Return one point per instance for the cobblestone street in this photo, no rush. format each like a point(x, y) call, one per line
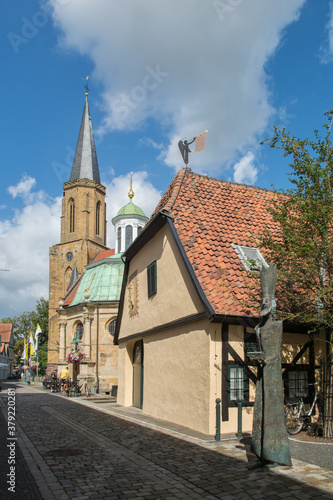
point(73, 450)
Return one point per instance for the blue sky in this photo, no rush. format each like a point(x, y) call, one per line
point(158, 72)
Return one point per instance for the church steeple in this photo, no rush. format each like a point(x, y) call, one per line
point(85, 164)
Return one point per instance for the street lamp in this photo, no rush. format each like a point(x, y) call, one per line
point(75, 341)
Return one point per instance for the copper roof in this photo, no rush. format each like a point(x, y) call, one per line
point(209, 216)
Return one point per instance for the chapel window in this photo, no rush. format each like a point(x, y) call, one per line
point(128, 236)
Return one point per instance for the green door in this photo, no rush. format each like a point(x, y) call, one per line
point(138, 374)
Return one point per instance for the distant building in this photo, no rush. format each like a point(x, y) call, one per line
point(6, 350)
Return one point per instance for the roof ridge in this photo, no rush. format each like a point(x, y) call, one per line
point(232, 183)
point(178, 181)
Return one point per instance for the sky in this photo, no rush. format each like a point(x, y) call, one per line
point(159, 71)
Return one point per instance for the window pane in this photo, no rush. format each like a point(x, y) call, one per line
point(119, 239)
point(128, 236)
point(152, 278)
point(112, 327)
point(298, 382)
point(79, 330)
point(236, 383)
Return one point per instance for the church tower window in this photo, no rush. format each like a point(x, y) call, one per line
point(71, 215)
point(98, 213)
point(128, 236)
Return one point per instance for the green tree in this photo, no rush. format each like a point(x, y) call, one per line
point(303, 247)
point(27, 323)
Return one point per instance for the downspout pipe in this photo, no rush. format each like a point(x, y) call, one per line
point(97, 339)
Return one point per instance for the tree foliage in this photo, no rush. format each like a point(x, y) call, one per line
point(27, 323)
point(303, 250)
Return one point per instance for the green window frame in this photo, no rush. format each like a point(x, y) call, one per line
point(152, 278)
point(236, 377)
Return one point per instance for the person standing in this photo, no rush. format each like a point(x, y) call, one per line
point(54, 380)
point(64, 375)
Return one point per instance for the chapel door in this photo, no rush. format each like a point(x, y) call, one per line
point(138, 374)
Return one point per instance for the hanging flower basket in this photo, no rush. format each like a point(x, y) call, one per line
point(75, 356)
point(33, 365)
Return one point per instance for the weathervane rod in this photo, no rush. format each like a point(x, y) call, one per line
point(86, 85)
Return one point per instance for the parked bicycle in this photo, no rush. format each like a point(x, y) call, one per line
point(297, 418)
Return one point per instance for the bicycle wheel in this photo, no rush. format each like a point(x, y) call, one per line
point(294, 423)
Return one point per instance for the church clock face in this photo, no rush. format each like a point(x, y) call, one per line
point(69, 256)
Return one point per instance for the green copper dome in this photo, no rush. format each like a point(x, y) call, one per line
point(131, 209)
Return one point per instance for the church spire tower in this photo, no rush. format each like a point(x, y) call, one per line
point(83, 227)
point(84, 209)
point(85, 164)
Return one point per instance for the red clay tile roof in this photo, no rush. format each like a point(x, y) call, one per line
point(5, 331)
point(210, 215)
point(70, 297)
point(103, 254)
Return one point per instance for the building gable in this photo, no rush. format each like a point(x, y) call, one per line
point(159, 287)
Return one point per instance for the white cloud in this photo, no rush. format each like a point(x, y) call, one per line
point(23, 188)
point(190, 65)
point(26, 238)
point(24, 249)
point(244, 171)
point(327, 48)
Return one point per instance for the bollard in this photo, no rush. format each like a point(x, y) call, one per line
point(218, 420)
point(239, 432)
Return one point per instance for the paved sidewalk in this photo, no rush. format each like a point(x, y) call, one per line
point(82, 449)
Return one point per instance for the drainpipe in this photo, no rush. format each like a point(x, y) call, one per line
point(97, 335)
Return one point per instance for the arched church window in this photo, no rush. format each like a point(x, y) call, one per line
point(139, 229)
point(128, 236)
point(79, 330)
point(98, 213)
point(71, 215)
point(112, 327)
point(119, 239)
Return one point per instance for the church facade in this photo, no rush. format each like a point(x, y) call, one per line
point(85, 275)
